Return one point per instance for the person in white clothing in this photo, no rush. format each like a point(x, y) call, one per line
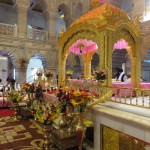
point(128, 78)
point(120, 75)
point(12, 85)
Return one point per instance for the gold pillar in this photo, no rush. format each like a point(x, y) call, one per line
point(88, 66)
point(105, 49)
point(137, 63)
point(61, 67)
point(87, 63)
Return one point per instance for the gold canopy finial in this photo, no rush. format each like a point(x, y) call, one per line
point(95, 3)
point(107, 12)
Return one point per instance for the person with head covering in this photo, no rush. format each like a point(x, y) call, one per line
point(120, 75)
point(128, 78)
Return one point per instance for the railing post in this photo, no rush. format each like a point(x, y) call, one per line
point(15, 28)
point(46, 35)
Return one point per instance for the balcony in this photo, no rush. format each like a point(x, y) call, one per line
point(9, 30)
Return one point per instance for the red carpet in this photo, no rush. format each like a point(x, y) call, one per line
point(6, 112)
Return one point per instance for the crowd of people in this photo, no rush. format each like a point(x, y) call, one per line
point(11, 85)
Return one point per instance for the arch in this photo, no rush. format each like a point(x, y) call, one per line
point(10, 55)
point(60, 22)
point(39, 12)
point(43, 4)
point(67, 14)
point(42, 58)
point(104, 25)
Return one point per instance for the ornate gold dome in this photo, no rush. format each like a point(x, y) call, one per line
point(105, 12)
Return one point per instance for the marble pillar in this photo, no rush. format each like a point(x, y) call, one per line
point(20, 75)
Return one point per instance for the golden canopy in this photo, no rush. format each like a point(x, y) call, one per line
point(104, 25)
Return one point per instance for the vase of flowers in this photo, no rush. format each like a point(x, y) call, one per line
point(80, 99)
point(48, 74)
point(46, 115)
point(26, 88)
point(39, 74)
point(15, 97)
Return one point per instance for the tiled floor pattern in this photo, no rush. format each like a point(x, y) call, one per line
point(13, 133)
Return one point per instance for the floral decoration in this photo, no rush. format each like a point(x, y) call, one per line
point(48, 73)
point(77, 99)
point(39, 72)
point(80, 99)
point(23, 61)
point(26, 87)
point(15, 96)
point(101, 75)
point(46, 115)
point(69, 72)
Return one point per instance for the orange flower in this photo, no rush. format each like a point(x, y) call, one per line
point(76, 102)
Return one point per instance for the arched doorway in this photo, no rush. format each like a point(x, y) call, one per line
point(120, 58)
point(36, 62)
point(64, 9)
point(7, 67)
point(37, 20)
point(60, 22)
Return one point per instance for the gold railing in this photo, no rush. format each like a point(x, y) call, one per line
point(130, 96)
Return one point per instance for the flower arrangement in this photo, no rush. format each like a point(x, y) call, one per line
point(48, 73)
point(101, 75)
point(46, 115)
point(15, 96)
point(26, 87)
point(23, 61)
point(77, 99)
point(39, 72)
point(80, 99)
point(69, 72)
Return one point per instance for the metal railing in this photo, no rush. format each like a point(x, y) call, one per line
point(130, 96)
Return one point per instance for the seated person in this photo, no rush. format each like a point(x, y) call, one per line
point(128, 78)
point(120, 75)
